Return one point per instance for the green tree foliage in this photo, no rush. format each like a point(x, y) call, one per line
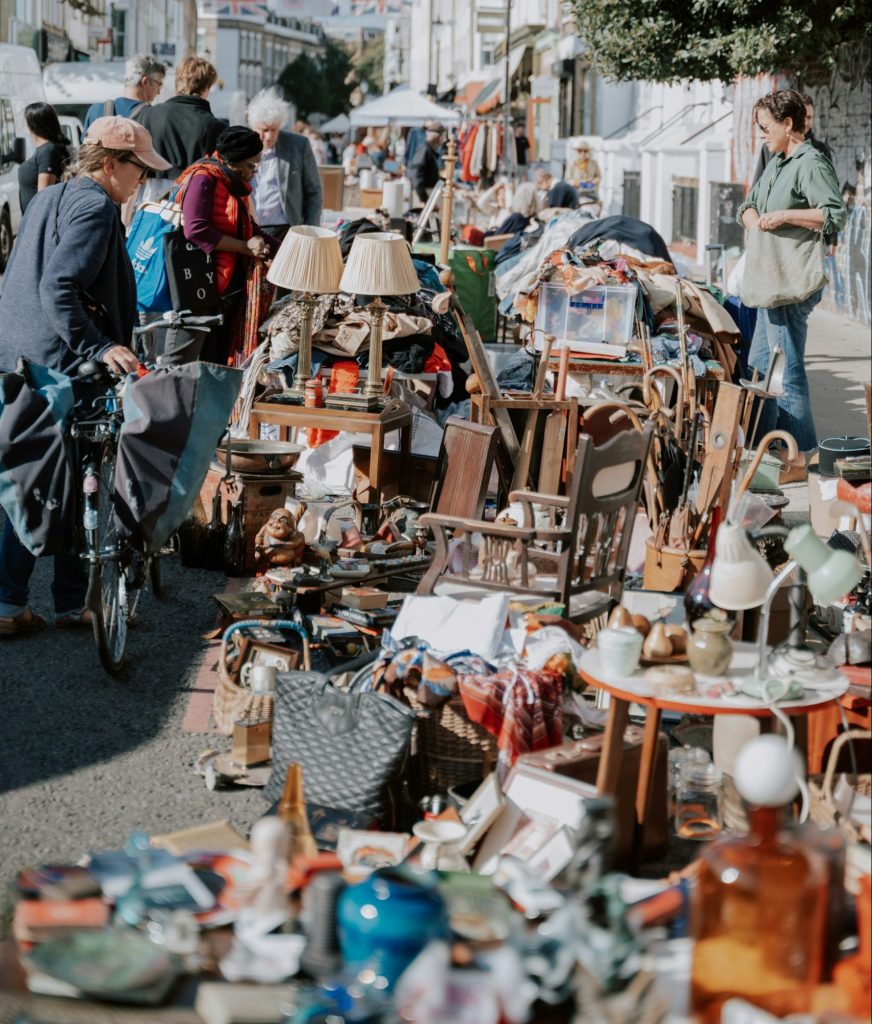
point(320, 86)
point(370, 65)
point(718, 39)
point(84, 7)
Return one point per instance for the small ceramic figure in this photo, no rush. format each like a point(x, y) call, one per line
point(279, 541)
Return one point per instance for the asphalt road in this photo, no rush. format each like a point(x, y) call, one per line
point(87, 759)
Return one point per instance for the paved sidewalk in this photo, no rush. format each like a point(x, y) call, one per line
point(839, 360)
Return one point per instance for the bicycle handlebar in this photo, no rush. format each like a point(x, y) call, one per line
point(181, 318)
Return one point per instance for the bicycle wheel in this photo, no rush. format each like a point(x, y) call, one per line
point(107, 585)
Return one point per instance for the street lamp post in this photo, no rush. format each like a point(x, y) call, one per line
point(507, 98)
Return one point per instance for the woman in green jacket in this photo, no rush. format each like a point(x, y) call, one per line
point(799, 188)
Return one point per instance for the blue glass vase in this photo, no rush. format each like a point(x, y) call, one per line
point(385, 921)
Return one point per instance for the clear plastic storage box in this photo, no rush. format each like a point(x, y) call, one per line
point(601, 315)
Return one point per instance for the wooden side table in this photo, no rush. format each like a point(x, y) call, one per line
point(633, 689)
point(395, 416)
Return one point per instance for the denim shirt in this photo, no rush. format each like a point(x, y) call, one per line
point(805, 180)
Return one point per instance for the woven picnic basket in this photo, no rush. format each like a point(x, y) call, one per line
point(822, 805)
point(449, 748)
point(232, 702)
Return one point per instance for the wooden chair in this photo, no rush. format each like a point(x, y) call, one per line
point(463, 469)
point(580, 563)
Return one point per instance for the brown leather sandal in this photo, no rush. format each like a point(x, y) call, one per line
point(24, 622)
point(75, 620)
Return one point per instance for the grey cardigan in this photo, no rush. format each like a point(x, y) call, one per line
point(299, 181)
point(68, 292)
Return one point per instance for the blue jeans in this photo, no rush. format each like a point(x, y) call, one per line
point(786, 326)
point(16, 566)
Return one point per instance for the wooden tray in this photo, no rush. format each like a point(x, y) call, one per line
point(673, 659)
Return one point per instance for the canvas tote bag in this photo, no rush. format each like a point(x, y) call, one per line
point(782, 266)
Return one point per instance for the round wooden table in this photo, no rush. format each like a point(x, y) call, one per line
point(633, 689)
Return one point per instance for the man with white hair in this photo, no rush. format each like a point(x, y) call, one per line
point(287, 189)
point(143, 81)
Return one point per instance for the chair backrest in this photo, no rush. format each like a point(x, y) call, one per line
point(466, 458)
point(604, 493)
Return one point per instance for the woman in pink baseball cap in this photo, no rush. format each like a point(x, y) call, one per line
point(69, 297)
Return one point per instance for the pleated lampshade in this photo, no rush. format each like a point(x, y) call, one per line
point(379, 264)
point(309, 260)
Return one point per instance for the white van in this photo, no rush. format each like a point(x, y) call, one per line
point(20, 85)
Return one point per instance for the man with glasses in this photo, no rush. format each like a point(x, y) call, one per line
point(143, 81)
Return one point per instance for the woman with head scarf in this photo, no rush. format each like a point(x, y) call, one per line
point(217, 218)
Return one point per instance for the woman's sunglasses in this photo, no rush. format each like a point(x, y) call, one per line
point(143, 170)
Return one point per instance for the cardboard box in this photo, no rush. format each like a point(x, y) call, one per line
point(364, 598)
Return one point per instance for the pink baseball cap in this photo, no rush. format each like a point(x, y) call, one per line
point(124, 134)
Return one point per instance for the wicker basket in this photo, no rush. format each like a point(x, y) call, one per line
point(823, 809)
point(450, 749)
point(232, 702)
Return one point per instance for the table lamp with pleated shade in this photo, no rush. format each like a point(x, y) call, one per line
point(308, 261)
point(379, 264)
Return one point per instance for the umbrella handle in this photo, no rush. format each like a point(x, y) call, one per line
point(773, 435)
point(648, 391)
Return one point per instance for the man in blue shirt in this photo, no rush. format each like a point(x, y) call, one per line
point(143, 81)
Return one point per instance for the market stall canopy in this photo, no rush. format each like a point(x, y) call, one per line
point(402, 107)
point(492, 95)
point(336, 125)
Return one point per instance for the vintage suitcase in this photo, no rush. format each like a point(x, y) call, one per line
point(261, 494)
point(579, 759)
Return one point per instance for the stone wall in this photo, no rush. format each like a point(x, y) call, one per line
point(842, 108)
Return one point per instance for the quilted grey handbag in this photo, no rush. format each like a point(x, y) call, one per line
point(351, 746)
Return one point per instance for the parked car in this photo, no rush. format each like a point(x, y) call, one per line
point(73, 129)
point(20, 84)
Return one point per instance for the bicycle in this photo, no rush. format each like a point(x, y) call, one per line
point(117, 567)
point(181, 343)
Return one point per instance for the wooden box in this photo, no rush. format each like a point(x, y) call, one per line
point(332, 186)
point(579, 759)
point(261, 495)
point(422, 472)
point(370, 198)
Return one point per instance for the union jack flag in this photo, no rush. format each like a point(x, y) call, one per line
point(234, 8)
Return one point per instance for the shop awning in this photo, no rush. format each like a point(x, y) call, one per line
point(492, 95)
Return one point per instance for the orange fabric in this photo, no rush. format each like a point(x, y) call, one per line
point(437, 360)
point(250, 313)
point(230, 216)
point(344, 376)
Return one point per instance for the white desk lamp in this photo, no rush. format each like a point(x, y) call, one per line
point(379, 264)
point(308, 261)
point(741, 579)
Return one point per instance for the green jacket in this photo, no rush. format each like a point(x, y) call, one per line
point(805, 180)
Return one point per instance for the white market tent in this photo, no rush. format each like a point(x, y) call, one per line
point(402, 107)
point(338, 125)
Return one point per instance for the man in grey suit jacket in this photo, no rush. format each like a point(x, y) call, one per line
point(287, 189)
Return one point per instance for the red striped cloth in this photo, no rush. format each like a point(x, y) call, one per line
point(523, 709)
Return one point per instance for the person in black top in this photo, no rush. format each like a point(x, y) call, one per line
point(51, 154)
point(183, 128)
point(831, 240)
point(423, 168)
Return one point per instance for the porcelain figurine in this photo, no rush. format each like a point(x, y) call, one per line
point(279, 541)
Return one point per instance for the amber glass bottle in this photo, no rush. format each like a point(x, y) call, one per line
point(758, 919)
point(292, 811)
